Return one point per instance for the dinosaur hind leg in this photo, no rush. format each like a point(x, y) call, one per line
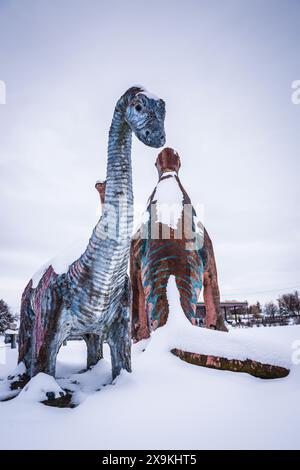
point(94, 349)
point(119, 342)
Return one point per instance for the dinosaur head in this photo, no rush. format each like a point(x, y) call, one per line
point(167, 160)
point(145, 114)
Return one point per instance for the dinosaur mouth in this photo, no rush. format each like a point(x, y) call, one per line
point(154, 139)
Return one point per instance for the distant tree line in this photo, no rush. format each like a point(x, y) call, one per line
point(287, 304)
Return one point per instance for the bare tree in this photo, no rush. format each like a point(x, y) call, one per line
point(289, 304)
point(271, 309)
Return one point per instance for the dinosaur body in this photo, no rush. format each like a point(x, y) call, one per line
point(91, 298)
point(162, 248)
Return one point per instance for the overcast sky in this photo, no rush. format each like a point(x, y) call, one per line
point(225, 69)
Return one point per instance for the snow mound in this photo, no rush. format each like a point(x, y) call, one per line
point(180, 333)
point(18, 372)
point(194, 407)
point(169, 201)
point(5, 391)
point(39, 387)
point(85, 383)
point(5, 385)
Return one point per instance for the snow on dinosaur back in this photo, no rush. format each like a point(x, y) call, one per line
point(62, 261)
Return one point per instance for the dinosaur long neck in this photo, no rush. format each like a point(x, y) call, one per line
point(118, 201)
point(105, 258)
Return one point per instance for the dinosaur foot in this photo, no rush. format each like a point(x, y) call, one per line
point(255, 368)
point(64, 401)
point(43, 388)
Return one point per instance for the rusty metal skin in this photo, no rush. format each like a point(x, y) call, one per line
point(248, 366)
point(92, 298)
point(154, 259)
point(100, 186)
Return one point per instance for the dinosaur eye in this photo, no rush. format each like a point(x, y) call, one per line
point(138, 108)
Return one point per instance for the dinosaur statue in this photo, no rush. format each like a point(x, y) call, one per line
point(168, 247)
point(91, 298)
point(161, 249)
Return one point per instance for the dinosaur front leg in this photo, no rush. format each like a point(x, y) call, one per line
point(57, 330)
point(211, 294)
point(211, 315)
point(25, 339)
point(22, 373)
point(94, 349)
point(119, 335)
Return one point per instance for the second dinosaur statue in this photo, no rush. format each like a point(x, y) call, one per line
point(164, 246)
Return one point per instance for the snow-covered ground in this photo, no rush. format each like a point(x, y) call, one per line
point(164, 404)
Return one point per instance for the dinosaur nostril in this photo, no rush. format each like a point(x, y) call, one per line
point(147, 133)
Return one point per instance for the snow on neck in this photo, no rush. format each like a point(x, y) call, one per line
point(169, 173)
point(169, 200)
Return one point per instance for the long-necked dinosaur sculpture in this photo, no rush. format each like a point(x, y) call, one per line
point(165, 247)
point(91, 298)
